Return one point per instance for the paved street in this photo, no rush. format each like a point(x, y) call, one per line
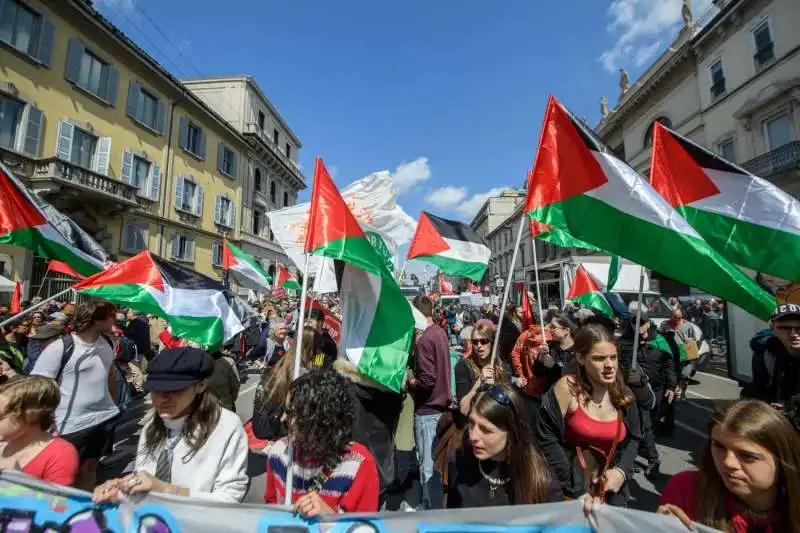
point(678, 452)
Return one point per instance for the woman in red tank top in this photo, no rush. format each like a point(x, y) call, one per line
point(589, 425)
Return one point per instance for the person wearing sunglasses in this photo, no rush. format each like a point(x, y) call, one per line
point(588, 427)
point(498, 462)
point(476, 370)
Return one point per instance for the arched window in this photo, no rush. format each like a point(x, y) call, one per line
point(285, 199)
point(272, 192)
point(648, 136)
point(257, 179)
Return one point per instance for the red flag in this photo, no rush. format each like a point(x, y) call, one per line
point(63, 268)
point(527, 312)
point(16, 298)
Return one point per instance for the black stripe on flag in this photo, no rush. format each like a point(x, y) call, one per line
point(706, 158)
point(592, 141)
point(454, 230)
point(181, 277)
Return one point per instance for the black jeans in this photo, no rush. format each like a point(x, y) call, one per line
point(647, 446)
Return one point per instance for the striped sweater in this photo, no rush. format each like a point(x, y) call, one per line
point(352, 486)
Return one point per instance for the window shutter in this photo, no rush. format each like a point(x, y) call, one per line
point(155, 181)
point(103, 155)
point(64, 144)
point(202, 143)
point(189, 249)
point(232, 216)
point(215, 254)
point(134, 88)
point(220, 155)
point(175, 244)
point(178, 192)
point(142, 234)
point(127, 167)
point(218, 209)
point(75, 51)
point(130, 238)
point(44, 52)
point(112, 86)
point(33, 130)
point(199, 198)
point(160, 116)
point(233, 163)
point(183, 135)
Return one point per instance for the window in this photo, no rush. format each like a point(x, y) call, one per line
point(257, 179)
point(276, 137)
point(192, 138)
point(216, 255)
point(224, 213)
point(143, 174)
point(288, 150)
point(727, 150)
point(83, 147)
point(10, 120)
point(145, 108)
point(182, 248)
point(648, 136)
point(717, 79)
point(285, 199)
point(765, 48)
point(226, 160)
point(91, 73)
point(261, 119)
point(257, 218)
point(778, 131)
point(188, 196)
point(134, 237)
point(272, 192)
point(26, 30)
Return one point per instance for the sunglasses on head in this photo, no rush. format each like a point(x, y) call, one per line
point(481, 342)
point(495, 393)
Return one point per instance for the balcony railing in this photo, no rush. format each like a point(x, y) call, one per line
point(252, 128)
point(782, 159)
point(63, 172)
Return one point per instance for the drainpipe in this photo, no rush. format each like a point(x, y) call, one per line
point(162, 200)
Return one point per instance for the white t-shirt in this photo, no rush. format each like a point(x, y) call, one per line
point(218, 471)
point(85, 398)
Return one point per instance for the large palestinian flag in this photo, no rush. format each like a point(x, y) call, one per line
point(196, 307)
point(377, 325)
point(29, 222)
point(586, 291)
point(579, 186)
point(558, 237)
point(452, 246)
point(747, 219)
point(286, 279)
point(245, 268)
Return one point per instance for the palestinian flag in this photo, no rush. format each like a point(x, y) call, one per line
point(196, 307)
point(614, 268)
point(579, 186)
point(286, 279)
point(245, 268)
point(452, 246)
point(747, 219)
point(586, 291)
point(553, 235)
point(27, 221)
point(377, 325)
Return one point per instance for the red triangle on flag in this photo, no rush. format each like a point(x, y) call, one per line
point(16, 299)
point(138, 270)
point(582, 284)
point(63, 268)
point(16, 210)
point(674, 173)
point(330, 218)
point(228, 259)
point(537, 228)
point(565, 165)
point(427, 240)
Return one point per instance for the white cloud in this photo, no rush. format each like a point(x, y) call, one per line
point(445, 197)
point(412, 173)
point(639, 25)
point(470, 207)
point(125, 6)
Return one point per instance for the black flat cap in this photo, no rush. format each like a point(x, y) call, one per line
point(177, 368)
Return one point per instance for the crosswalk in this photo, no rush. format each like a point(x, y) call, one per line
point(126, 439)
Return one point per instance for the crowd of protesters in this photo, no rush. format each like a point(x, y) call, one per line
point(561, 412)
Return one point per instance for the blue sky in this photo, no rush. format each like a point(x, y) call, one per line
point(446, 94)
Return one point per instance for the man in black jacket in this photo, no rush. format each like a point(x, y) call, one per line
point(658, 371)
point(138, 330)
point(776, 363)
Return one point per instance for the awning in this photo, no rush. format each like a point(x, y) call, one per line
point(6, 285)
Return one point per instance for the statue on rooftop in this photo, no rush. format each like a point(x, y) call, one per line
point(624, 82)
point(604, 106)
point(686, 13)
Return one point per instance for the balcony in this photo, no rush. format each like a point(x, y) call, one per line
point(260, 198)
point(51, 174)
point(251, 128)
point(782, 159)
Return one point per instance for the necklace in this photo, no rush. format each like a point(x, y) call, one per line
point(494, 483)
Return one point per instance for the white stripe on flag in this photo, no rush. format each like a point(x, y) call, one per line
point(470, 252)
point(205, 303)
point(51, 234)
point(360, 293)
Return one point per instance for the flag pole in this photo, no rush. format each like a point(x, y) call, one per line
point(32, 308)
point(638, 317)
point(538, 289)
point(298, 351)
point(402, 271)
point(41, 285)
point(507, 288)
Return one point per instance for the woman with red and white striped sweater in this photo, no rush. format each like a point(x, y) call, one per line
point(332, 474)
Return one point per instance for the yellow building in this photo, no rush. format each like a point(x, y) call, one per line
point(103, 132)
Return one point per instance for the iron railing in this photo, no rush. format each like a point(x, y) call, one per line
point(786, 157)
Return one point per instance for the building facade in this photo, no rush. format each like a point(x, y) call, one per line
point(98, 128)
point(496, 210)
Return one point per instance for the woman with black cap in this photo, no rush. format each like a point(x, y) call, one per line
point(190, 446)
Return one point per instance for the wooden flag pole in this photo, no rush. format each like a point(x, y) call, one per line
point(507, 288)
point(638, 317)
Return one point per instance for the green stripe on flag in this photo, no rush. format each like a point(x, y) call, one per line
point(595, 300)
point(454, 267)
point(32, 239)
point(613, 272)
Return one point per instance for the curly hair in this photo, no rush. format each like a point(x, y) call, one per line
point(321, 411)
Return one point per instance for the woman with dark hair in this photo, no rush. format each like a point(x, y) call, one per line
point(475, 370)
point(190, 446)
point(748, 477)
point(588, 427)
point(274, 386)
point(331, 473)
point(498, 463)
